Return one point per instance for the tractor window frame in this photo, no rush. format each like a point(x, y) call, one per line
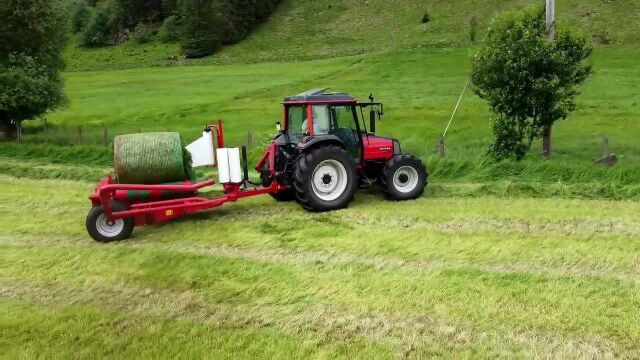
point(295, 134)
point(351, 108)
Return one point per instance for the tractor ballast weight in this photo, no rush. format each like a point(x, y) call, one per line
point(320, 155)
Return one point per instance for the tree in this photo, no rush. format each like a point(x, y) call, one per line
point(32, 37)
point(528, 81)
point(200, 31)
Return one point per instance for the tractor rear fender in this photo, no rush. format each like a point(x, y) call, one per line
point(311, 142)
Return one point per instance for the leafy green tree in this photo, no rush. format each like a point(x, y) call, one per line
point(200, 31)
point(528, 81)
point(32, 37)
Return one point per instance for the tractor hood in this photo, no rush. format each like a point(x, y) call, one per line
point(379, 147)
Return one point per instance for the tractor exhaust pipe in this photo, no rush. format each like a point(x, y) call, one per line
point(372, 120)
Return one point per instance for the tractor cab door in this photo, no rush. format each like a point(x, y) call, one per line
point(344, 125)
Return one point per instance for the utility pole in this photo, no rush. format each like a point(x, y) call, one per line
point(551, 32)
point(551, 19)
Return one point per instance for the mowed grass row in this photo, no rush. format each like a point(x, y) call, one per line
point(419, 88)
point(470, 276)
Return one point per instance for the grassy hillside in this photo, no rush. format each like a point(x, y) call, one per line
point(313, 29)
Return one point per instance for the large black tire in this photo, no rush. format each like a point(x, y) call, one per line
point(404, 177)
point(284, 195)
point(101, 231)
point(335, 175)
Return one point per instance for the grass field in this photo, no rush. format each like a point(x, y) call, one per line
point(447, 275)
point(419, 88)
point(530, 259)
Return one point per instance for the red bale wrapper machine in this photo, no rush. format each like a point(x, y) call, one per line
point(322, 152)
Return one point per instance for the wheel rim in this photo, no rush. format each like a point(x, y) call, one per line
point(109, 228)
point(405, 179)
point(329, 180)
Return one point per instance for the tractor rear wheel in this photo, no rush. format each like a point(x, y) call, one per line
point(266, 178)
point(324, 179)
point(103, 230)
point(404, 177)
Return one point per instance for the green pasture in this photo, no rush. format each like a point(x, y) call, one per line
point(419, 88)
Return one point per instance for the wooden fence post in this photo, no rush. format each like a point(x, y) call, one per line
point(249, 139)
point(79, 134)
point(605, 146)
point(441, 149)
point(105, 136)
point(46, 132)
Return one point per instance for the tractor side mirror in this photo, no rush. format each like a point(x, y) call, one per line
point(372, 120)
point(278, 127)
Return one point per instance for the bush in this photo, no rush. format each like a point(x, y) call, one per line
point(142, 33)
point(170, 30)
point(200, 32)
point(80, 18)
point(97, 31)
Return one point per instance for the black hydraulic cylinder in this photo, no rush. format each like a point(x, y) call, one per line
point(245, 166)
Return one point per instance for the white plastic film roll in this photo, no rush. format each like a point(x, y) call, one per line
point(202, 150)
point(223, 165)
point(235, 169)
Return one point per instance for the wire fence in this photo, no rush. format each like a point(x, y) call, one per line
point(43, 133)
point(103, 135)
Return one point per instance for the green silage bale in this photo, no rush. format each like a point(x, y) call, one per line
point(150, 158)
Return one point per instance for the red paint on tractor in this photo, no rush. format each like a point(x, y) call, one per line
point(377, 148)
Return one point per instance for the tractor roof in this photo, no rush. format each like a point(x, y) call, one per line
point(320, 95)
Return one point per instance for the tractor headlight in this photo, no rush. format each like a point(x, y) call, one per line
point(396, 147)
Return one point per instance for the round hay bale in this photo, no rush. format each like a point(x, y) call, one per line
point(150, 158)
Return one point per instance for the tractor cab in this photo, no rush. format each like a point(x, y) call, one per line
point(317, 116)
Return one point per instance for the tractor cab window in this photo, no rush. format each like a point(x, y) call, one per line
point(320, 119)
point(296, 122)
point(343, 125)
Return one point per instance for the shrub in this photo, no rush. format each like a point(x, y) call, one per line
point(142, 33)
point(170, 30)
point(80, 18)
point(425, 18)
point(97, 31)
point(200, 32)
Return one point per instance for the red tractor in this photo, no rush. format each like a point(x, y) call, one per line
point(322, 152)
point(325, 151)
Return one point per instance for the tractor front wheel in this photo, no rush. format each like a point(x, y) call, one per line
point(104, 230)
point(404, 177)
point(324, 179)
